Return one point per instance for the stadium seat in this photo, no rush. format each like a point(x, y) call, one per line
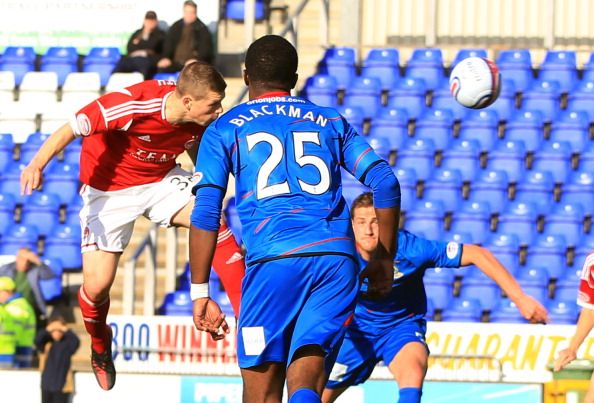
point(80, 88)
point(418, 155)
point(543, 96)
point(232, 219)
point(426, 219)
point(563, 312)
point(408, 187)
point(381, 146)
point(30, 147)
point(7, 208)
point(430, 309)
point(554, 157)
point(469, 52)
point(444, 185)
point(351, 189)
point(582, 250)
point(534, 282)
point(505, 105)
point(166, 76)
point(42, 212)
point(177, 303)
point(409, 94)
point(366, 93)
point(587, 159)
point(39, 90)
point(572, 126)
point(566, 220)
point(490, 187)
point(73, 210)
point(384, 65)
point(566, 287)
point(10, 182)
point(549, 248)
point(72, 153)
point(427, 64)
point(6, 150)
point(18, 59)
point(54, 117)
point(463, 155)
point(62, 180)
point(474, 218)
point(18, 236)
point(354, 115)
point(102, 60)
point(480, 126)
point(506, 248)
point(17, 120)
point(481, 288)
point(581, 98)
point(520, 219)
point(321, 90)
point(559, 66)
point(61, 60)
point(220, 296)
point(439, 286)
point(442, 99)
point(51, 288)
point(65, 242)
point(516, 65)
point(339, 63)
point(391, 124)
point(526, 126)
point(462, 310)
point(508, 156)
point(538, 188)
point(7, 85)
point(437, 125)
point(578, 190)
point(235, 10)
point(506, 312)
point(118, 81)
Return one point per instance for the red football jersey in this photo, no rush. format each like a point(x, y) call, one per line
point(127, 140)
point(586, 293)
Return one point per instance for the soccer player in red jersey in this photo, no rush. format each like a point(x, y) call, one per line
point(131, 139)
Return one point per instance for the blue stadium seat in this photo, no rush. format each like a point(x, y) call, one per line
point(62, 60)
point(72, 153)
point(354, 115)
point(587, 159)
point(506, 248)
point(51, 288)
point(566, 220)
point(505, 105)
point(469, 52)
point(506, 312)
point(520, 219)
point(563, 312)
point(508, 157)
point(588, 74)
point(10, 181)
point(444, 185)
point(474, 218)
point(366, 93)
point(463, 155)
point(42, 211)
point(73, 210)
point(220, 296)
point(321, 90)
point(549, 248)
point(384, 65)
point(233, 219)
point(351, 189)
point(535, 281)
point(340, 63)
point(18, 236)
point(480, 126)
point(417, 154)
point(538, 188)
point(437, 125)
point(439, 286)
point(426, 219)
point(30, 147)
point(235, 10)
point(442, 99)
point(65, 242)
point(381, 146)
point(101, 60)
point(578, 190)
point(426, 64)
point(169, 76)
point(7, 208)
point(6, 150)
point(462, 310)
point(18, 59)
point(408, 187)
point(526, 126)
point(566, 287)
point(543, 96)
point(177, 303)
point(554, 157)
point(62, 180)
point(409, 94)
point(391, 124)
point(572, 126)
point(491, 187)
point(516, 65)
point(481, 288)
point(559, 66)
point(582, 97)
point(430, 309)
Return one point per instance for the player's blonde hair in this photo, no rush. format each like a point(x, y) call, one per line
point(198, 78)
point(363, 200)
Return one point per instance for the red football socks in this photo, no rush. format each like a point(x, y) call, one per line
point(95, 319)
point(229, 265)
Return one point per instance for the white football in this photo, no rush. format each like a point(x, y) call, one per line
point(475, 82)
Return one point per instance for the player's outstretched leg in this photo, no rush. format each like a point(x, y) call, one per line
point(306, 376)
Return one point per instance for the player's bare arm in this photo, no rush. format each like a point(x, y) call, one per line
point(530, 308)
point(583, 328)
point(31, 176)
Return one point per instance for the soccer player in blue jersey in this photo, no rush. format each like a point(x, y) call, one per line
point(300, 286)
point(393, 329)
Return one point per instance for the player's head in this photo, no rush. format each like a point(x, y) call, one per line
point(190, 12)
point(200, 89)
point(271, 64)
point(365, 224)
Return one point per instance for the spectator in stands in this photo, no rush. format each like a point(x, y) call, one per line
point(187, 40)
point(56, 345)
point(26, 270)
point(7, 330)
point(585, 323)
point(22, 321)
point(144, 48)
point(393, 330)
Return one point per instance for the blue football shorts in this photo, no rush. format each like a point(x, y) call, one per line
point(360, 351)
point(289, 303)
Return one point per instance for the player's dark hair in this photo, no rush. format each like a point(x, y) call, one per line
point(197, 78)
point(363, 200)
point(191, 4)
point(271, 61)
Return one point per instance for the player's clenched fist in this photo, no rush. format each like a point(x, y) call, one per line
point(31, 178)
point(208, 317)
point(532, 310)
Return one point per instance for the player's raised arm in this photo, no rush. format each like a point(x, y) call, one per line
point(31, 176)
point(531, 309)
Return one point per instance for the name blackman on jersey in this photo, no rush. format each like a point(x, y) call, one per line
point(286, 110)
